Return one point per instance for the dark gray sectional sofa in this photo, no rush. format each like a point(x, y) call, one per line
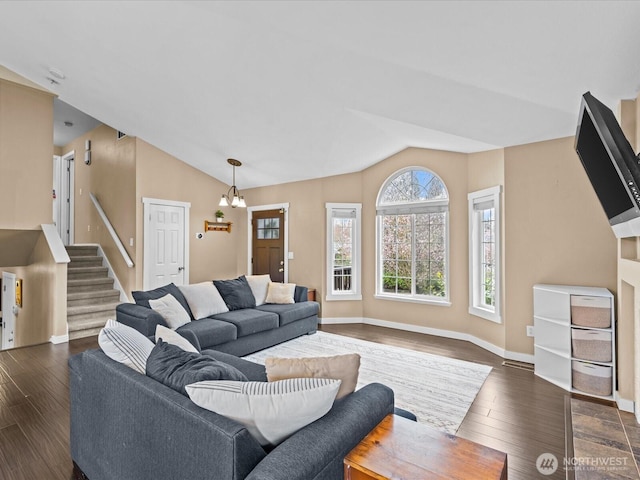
point(127, 426)
point(238, 332)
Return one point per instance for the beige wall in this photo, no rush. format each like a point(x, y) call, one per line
point(486, 170)
point(556, 230)
point(629, 281)
point(162, 176)
point(122, 173)
point(26, 181)
point(549, 209)
point(111, 178)
point(44, 297)
point(26, 165)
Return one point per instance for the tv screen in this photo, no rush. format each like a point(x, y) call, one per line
point(610, 164)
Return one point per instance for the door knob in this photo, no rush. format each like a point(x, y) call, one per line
point(180, 269)
point(281, 270)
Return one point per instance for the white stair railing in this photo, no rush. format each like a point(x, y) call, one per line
point(111, 231)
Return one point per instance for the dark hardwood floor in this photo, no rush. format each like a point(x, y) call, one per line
point(514, 412)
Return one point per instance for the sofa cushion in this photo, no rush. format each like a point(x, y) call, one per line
point(125, 345)
point(237, 293)
point(255, 372)
point(204, 299)
point(259, 285)
point(271, 411)
point(341, 367)
point(289, 313)
point(175, 368)
point(142, 297)
point(250, 320)
point(174, 338)
point(171, 311)
point(210, 332)
point(280, 293)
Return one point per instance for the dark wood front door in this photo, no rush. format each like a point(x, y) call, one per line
point(268, 244)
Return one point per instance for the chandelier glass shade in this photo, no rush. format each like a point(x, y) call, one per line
point(233, 196)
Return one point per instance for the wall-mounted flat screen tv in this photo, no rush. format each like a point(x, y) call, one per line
point(611, 165)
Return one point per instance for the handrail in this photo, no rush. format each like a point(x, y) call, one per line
point(111, 231)
point(54, 241)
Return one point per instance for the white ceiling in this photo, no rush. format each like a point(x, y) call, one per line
point(297, 90)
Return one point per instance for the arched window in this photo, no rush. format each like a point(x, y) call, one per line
point(412, 231)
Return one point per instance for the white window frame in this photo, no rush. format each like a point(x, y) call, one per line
point(356, 269)
point(414, 207)
point(489, 197)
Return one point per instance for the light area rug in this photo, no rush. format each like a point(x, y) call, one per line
point(438, 390)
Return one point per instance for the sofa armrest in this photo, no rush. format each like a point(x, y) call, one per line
point(141, 318)
point(301, 294)
point(317, 451)
point(124, 425)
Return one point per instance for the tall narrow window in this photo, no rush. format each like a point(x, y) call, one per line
point(485, 254)
point(343, 251)
point(412, 226)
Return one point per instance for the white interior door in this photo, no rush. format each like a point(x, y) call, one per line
point(165, 244)
point(57, 170)
point(65, 198)
point(8, 310)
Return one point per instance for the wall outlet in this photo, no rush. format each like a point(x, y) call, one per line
point(530, 331)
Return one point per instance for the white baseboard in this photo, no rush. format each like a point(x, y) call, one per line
point(57, 339)
point(340, 320)
point(501, 352)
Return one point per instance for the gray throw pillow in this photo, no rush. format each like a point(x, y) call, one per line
point(236, 293)
point(142, 297)
point(176, 368)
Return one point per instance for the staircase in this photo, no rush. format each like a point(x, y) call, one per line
point(91, 298)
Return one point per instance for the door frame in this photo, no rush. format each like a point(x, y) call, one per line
point(64, 189)
point(146, 220)
point(8, 309)
point(259, 208)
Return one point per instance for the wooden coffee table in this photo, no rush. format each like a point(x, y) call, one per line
point(401, 449)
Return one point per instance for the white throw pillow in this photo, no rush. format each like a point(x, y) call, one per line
point(174, 338)
point(125, 345)
point(280, 293)
point(204, 299)
point(173, 313)
point(270, 411)
point(259, 285)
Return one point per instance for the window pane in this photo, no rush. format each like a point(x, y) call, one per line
point(413, 245)
point(413, 186)
point(487, 257)
point(343, 237)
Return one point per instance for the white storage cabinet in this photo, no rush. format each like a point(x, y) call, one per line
point(575, 338)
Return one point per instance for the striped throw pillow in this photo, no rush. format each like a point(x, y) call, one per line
point(270, 411)
point(125, 345)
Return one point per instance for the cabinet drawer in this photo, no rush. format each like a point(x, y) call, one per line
point(591, 345)
point(591, 311)
point(593, 379)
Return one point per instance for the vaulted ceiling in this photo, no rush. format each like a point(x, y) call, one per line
point(297, 90)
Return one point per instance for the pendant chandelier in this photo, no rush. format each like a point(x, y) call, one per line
point(233, 197)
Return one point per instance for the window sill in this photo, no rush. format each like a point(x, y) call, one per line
point(338, 298)
point(486, 314)
point(427, 301)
